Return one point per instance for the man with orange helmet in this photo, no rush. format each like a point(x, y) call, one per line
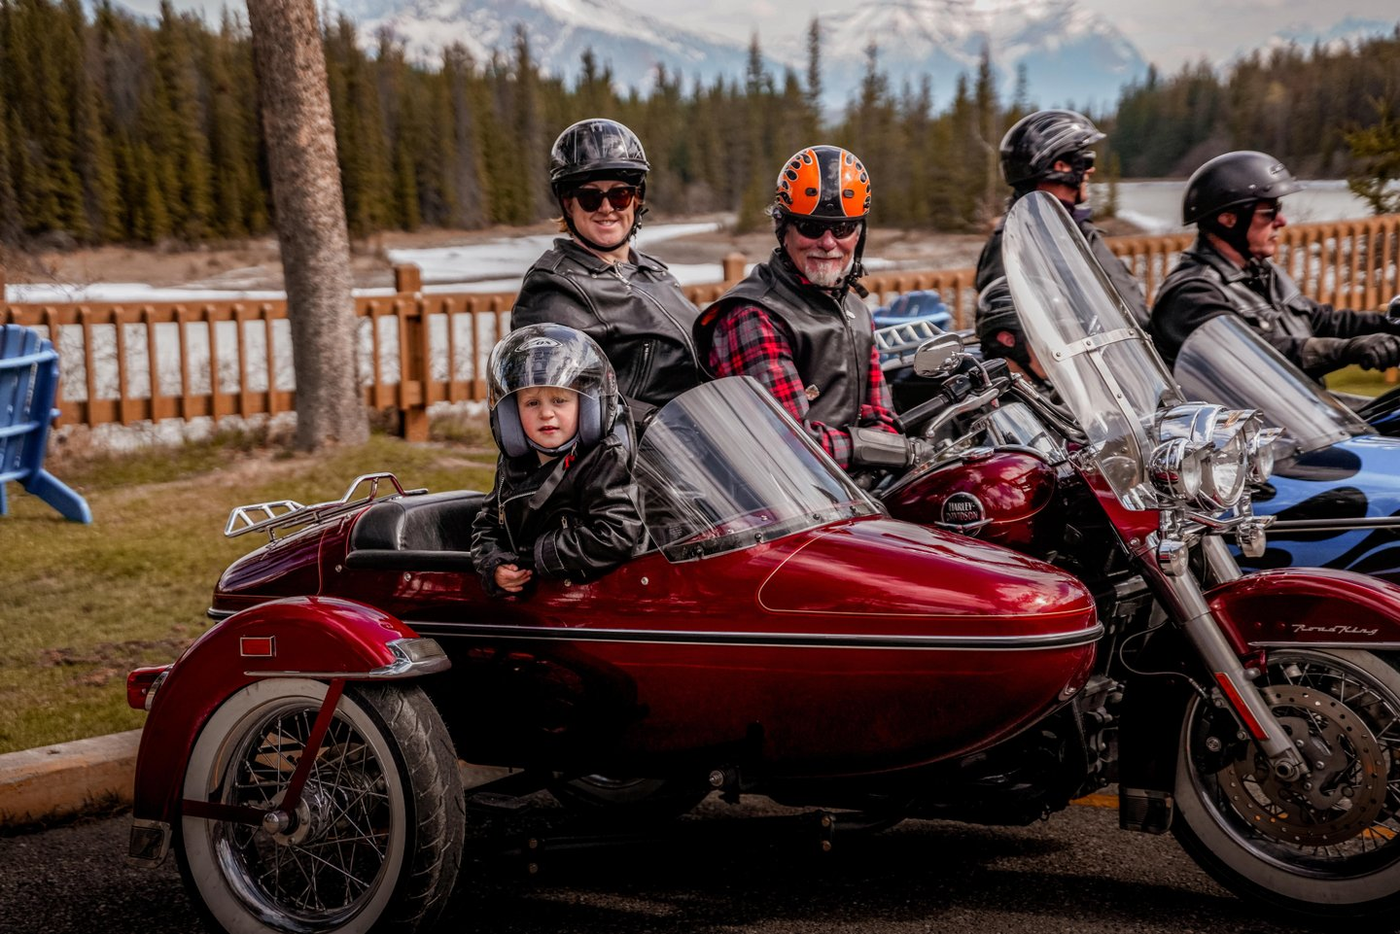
point(798, 323)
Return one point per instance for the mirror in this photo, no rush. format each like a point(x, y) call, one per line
point(938, 355)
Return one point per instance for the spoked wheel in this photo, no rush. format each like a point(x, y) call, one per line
point(376, 838)
point(628, 799)
point(1326, 846)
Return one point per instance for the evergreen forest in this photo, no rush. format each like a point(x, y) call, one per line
point(118, 129)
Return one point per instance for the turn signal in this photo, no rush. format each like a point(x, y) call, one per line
point(141, 686)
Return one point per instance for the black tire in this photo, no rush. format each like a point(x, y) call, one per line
point(383, 812)
point(1328, 850)
point(628, 799)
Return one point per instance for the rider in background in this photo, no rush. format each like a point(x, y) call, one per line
point(1235, 202)
point(596, 281)
point(563, 503)
point(798, 323)
point(1048, 151)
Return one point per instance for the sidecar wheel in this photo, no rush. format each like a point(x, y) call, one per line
point(639, 799)
point(378, 836)
point(1328, 849)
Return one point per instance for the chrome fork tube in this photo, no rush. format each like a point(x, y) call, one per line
point(1189, 606)
point(1221, 566)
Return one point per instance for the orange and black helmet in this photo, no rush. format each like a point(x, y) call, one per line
point(823, 182)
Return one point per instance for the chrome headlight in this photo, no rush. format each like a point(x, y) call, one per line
point(1219, 442)
point(1175, 469)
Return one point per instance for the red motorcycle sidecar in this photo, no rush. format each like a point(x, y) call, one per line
point(781, 623)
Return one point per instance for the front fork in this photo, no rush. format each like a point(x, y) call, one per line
point(1181, 592)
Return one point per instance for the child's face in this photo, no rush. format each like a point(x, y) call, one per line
point(548, 414)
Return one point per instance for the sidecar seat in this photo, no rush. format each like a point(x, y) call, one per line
point(416, 533)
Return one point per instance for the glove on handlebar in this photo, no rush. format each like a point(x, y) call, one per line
point(1374, 351)
point(871, 447)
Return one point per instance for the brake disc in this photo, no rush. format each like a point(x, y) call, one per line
point(1344, 790)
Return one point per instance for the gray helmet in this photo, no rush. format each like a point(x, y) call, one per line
point(1234, 180)
point(550, 355)
point(593, 149)
point(1030, 149)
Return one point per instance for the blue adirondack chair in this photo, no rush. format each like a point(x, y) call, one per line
point(28, 382)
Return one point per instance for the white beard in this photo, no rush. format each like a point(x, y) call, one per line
point(825, 272)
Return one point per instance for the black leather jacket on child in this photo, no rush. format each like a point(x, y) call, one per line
point(569, 518)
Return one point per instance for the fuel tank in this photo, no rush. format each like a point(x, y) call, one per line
point(1004, 496)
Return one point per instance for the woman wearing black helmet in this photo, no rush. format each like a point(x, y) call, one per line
point(563, 504)
point(596, 281)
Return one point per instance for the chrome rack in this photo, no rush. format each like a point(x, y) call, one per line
point(288, 513)
point(896, 343)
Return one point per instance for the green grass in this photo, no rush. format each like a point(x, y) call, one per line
point(1353, 379)
point(80, 605)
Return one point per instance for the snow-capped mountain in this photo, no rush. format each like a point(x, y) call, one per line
point(1069, 53)
point(559, 31)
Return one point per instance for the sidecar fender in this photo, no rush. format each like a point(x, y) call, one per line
point(316, 637)
point(1308, 606)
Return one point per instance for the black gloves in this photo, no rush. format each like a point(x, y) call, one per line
point(871, 447)
point(1369, 351)
point(1374, 351)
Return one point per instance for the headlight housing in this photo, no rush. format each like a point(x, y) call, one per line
point(1207, 454)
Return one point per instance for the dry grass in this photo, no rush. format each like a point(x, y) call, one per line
point(80, 605)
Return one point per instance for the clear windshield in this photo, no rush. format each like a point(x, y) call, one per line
point(1099, 361)
point(723, 467)
point(1224, 361)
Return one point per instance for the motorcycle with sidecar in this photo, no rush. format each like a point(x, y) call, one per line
point(1002, 630)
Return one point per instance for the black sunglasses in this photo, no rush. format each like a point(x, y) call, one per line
point(591, 199)
point(813, 230)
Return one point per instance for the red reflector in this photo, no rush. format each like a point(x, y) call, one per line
point(1255, 728)
point(138, 685)
point(256, 647)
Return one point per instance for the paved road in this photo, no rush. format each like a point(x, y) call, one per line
point(1076, 873)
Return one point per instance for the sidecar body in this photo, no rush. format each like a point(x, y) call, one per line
point(776, 620)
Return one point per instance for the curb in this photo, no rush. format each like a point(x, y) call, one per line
point(67, 780)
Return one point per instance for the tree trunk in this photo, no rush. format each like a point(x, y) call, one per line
point(306, 195)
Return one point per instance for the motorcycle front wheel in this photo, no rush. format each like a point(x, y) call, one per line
point(1328, 846)
point(377, 837)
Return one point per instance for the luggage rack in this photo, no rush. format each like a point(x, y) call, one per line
point(896, 342)
point(288, 513)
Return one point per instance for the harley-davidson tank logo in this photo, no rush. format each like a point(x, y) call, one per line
point(964, 513)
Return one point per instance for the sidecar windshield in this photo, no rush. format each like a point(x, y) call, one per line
point(1225, 361)
point(1080, 330)
point(723, 467)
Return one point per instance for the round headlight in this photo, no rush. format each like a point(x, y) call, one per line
point(1175, 469)
point(1226, 469)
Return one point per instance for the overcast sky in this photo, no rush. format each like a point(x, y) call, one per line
point(1167, 32)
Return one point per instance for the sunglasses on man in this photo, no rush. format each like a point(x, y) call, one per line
point(1266, 211)
point(813, 230)
point(591, 199)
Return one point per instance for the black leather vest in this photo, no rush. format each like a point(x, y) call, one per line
point(1262, 294)
point(636, 312)
point(832, 342)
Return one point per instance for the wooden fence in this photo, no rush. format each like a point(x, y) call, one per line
point(150, 361)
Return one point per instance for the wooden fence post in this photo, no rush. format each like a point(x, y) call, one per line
point(733, 266)
point(413, 331)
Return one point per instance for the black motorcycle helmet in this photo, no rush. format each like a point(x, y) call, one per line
point(550, 355)
point(998, 327)
point(594, 149)
point(1030, 149)
point(1234, 183)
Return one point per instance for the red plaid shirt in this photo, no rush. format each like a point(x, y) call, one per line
point(750, 342)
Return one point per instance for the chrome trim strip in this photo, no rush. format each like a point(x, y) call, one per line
point(412, 658)
point(1365, 646)
point(777, 639)
point(219, 615)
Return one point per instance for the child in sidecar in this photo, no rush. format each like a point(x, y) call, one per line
point(564, 502)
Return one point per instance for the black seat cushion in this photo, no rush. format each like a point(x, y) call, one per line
point(432, 532)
